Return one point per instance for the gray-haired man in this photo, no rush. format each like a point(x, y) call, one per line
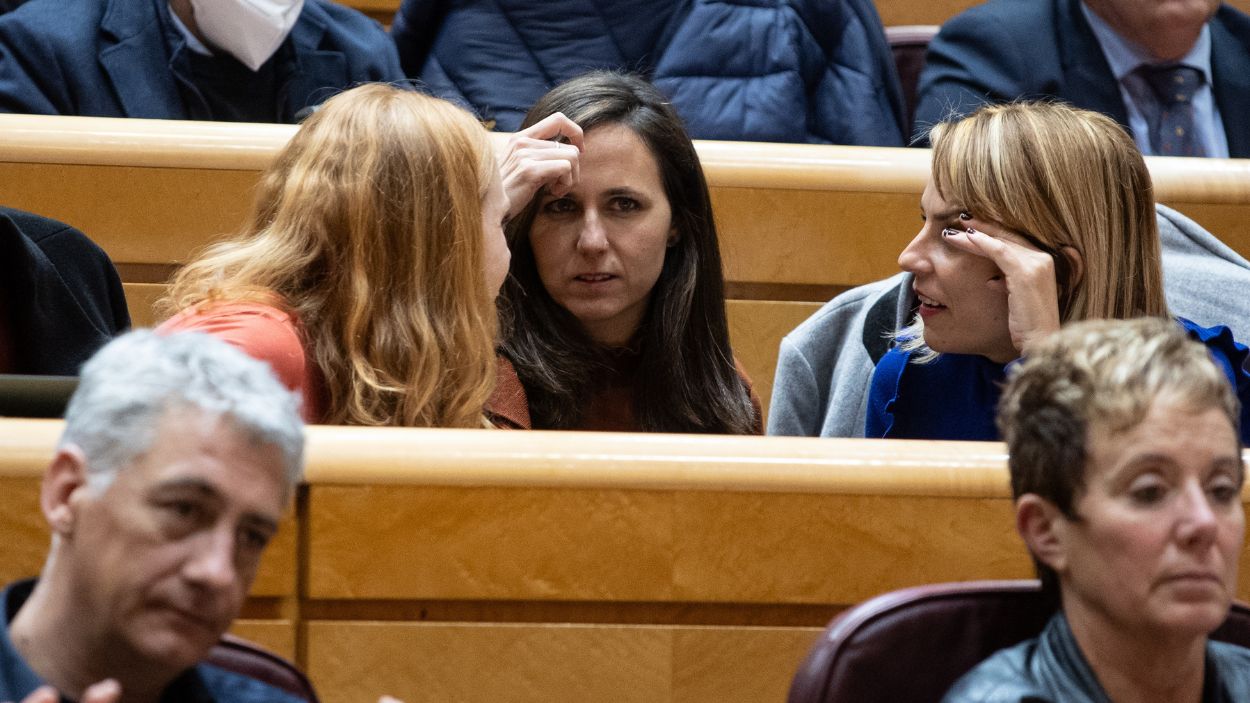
point(178, 458)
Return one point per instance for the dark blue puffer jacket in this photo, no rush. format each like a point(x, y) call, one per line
point(763, 70)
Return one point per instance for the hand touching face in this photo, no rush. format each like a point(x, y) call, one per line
point(982, 288)
point(600, 246)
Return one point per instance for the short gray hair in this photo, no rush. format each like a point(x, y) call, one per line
point(130, 384)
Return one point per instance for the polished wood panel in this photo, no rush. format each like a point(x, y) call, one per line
point(358, 661)
point(362, 456)
point(552, 516)
point(26, 536)
point(380, 10)
point(755, 330)
point(737, 664)
point(470, 565)
point(277, 636)
point(600, 545)
point(141, 300)
point(478, 565)
point(153, 192)
point(138, 214)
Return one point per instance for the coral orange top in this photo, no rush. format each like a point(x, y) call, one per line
point(267, 333)
point(275, 336)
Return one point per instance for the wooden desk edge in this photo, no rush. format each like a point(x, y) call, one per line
point(122, 142)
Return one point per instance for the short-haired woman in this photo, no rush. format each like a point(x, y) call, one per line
point(1127, 472)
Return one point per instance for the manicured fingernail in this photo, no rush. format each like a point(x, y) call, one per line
point(950, 232)
point(972, 231)
point(105, 688)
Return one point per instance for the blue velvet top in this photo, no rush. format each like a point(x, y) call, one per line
point(956, 395)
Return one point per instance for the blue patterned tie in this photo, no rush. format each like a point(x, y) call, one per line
point(1171, 118)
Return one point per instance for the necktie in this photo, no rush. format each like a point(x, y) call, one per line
point(1171, 117)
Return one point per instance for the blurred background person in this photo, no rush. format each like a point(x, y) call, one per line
point(223, 60)
point(60, 297)
point(1175, 73)
point(816, 71)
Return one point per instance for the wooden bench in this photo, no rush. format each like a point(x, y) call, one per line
point(798, 223)
point(472, 565)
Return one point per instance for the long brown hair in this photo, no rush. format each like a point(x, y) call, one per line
point(368, 227)
point(686, 379)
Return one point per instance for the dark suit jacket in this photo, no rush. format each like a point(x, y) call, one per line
point(1008, 49)
point(120, 58)
point(64, 295)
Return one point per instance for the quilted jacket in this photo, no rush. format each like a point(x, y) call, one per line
point(815, 71)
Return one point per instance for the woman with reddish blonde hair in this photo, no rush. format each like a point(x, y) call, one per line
point(367, 272)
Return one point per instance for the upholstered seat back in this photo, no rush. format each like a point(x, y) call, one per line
point(910, 646)
point(243, 657)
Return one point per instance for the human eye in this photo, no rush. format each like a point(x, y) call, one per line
point(254, 539)
point(181, 509)
point(179, 516)
point(559, 206)
point(1147, 490)
point(625, 204)
point(1224, 489)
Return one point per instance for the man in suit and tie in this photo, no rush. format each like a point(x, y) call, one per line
point(1175, 73)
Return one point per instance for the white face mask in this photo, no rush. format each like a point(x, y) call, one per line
point(250, 30)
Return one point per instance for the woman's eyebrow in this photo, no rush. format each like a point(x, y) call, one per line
point(622, 190)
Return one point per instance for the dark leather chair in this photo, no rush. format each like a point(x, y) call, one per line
point(242, 657)
point(910, 646)
point(908, 44)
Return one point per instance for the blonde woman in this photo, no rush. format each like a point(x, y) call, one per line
point(1035, 215)
point(367, 272)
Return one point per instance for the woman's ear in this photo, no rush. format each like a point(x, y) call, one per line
point(65, 477)
point(1043, 528)
point(1076, 262)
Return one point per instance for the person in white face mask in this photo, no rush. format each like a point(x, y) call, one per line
point(224, 60)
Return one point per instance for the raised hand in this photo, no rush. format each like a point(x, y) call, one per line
point(533, 160)
point(1028, 277)
point(106, 691)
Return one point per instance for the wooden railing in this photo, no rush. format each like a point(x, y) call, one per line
point(798, 223)
point(473, 565)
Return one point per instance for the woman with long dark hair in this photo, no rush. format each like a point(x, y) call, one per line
point(614, 311)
